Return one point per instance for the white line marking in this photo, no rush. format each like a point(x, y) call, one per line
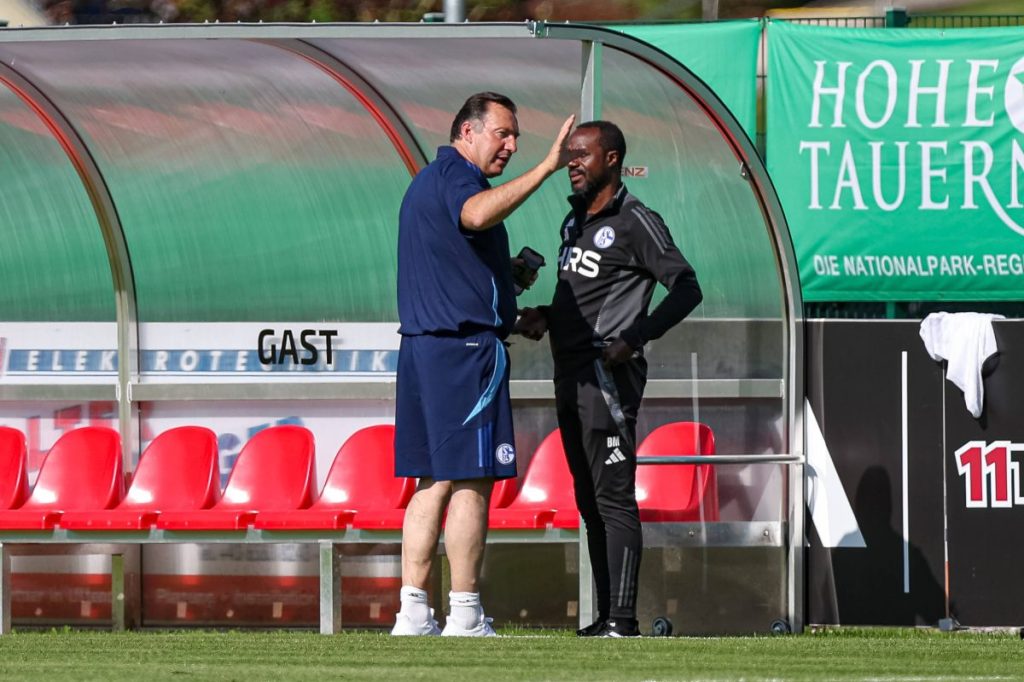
point(906, 495)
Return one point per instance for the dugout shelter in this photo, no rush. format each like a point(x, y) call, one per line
point(200, 226)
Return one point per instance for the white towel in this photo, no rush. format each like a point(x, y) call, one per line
point(965, 341)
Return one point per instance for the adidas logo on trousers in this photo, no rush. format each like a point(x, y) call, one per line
point(615, 457)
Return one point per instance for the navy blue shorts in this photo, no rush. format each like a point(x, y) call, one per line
point(453, 417)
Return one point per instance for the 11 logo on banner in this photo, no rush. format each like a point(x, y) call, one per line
point(991, 473)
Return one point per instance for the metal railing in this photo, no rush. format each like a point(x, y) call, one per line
point(837, 22)
point(964, 21)
point(896, 17)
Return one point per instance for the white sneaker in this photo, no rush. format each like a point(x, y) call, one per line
point(482, 629)
point(404, 627)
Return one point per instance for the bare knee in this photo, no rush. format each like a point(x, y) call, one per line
point(436, 491)
point(478, 489)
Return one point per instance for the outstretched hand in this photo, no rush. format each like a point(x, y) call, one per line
point(558, 156)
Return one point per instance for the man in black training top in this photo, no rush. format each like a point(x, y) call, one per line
point(614, 249)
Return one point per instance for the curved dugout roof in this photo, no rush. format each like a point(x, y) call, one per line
point(241, 152)
point(253, 172)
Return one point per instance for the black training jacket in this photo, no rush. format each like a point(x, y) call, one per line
point(608, 265)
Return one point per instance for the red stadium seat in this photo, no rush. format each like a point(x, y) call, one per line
point(177, 472)
point(13, 468)
point(82, 471)
point(504, 492)
point(361, 489)
point(677, 492)
point(275, 470)
point(546, 496)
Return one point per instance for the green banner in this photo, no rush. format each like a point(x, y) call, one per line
point(898, 156)
point(722, 54)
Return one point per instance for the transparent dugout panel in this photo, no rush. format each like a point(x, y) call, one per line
point(726, 576)
point(251, 184)
point(55, 266)
point(723, 576)
point(427, 80)
point(695, 182)
point(746, 493)
point(44, 422)
point(719, 577)
point(331, 423)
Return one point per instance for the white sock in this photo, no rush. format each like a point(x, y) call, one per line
point(466, 609)
point(414, 604)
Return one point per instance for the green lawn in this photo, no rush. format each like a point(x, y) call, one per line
point(910, 655)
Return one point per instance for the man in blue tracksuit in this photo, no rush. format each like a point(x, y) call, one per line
point(456, 305)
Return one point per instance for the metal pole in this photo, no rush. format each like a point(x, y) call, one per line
point(5, 590)
point(590, 110)
point(114, 240)
point(590, 82)
point(117, 593)
point(454, 11)
point(330, 588)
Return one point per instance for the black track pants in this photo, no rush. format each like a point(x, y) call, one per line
point(602, 460)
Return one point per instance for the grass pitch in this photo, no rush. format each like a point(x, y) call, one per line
point(889, 654)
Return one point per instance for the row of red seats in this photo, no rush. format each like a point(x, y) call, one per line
point(665, 492)
point(272, 486)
